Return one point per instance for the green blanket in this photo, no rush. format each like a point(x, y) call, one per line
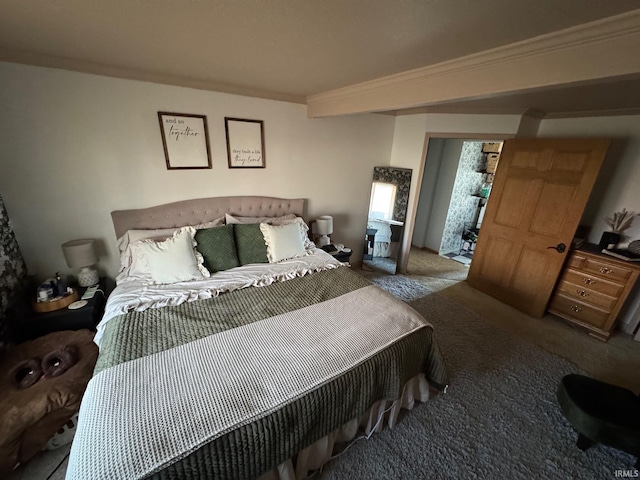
point(253, 449)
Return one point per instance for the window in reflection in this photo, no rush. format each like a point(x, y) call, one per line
point(383, 199)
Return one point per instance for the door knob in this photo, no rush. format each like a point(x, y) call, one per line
point(560, 248)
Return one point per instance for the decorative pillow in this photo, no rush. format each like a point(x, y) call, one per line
point(250, 243)
point(136, 235)
point(304, 232)
point(159, 234)
point(229, 219)
point(283, 242)
point(218, 247)
point(168, 261)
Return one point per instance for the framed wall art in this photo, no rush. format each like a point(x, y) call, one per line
point(245, 143)
point(185, 138)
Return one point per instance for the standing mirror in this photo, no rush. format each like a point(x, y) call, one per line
point(385, 222)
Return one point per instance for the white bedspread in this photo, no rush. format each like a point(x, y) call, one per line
point(136, 295)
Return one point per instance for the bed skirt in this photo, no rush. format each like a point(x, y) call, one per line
point(381, 413)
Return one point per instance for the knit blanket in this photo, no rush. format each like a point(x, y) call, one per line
point(187, 382)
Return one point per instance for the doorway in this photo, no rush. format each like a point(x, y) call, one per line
point(456, 184)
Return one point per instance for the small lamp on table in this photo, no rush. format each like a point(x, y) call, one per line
point(324, 228)
point(82, 254)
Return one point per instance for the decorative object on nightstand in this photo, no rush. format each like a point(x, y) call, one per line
point(338, 251)
point(82, 254)
point(53, 295)
point(342, 255)
point(618, 222)
point(323, 226)
point(78, 314)
point(55, 303)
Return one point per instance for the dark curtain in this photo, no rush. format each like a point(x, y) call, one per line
point(13, 277)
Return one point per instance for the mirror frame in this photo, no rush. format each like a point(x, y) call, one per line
point(401, 178)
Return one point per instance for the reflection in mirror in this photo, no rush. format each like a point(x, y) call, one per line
point(385, 222)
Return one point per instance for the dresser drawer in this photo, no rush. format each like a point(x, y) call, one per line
point(593, 282)
point(576, 261)
point(608, 270)
point(569, 307)
point(586, 295)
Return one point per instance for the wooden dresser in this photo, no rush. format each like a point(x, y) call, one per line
point(592, 289)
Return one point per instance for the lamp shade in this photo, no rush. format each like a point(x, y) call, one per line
point(80, 253)
point(324, 225)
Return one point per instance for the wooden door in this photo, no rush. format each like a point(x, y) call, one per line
point(539, 193)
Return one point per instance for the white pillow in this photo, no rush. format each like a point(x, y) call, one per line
point(159, 234)
point(283, 242)
point(132, 236)
point(304, 231)
point(136, 235)
point(172, 260)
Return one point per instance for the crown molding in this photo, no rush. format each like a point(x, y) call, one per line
point(614, 112)
point(601, 49)
point(462, 110)
point(62, 63)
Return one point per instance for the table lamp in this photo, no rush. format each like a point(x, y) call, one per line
point(324, 228)
point(82, 254)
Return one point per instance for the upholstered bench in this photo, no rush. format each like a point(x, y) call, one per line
point(601, 413)
point(41, 387)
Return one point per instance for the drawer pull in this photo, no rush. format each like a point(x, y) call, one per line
point(582, 293)
point(606, 271)
point(589, 281)
point(576, 308)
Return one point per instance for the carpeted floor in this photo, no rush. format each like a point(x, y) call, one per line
point(401, 286)
point(435, 271)
point(426, 264)
point(381, 264)
point(498, 420)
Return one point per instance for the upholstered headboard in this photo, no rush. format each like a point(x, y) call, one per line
point(201, 210)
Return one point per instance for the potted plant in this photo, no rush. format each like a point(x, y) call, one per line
point(618, 222)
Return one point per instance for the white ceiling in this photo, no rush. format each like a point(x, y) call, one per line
point(289, 49)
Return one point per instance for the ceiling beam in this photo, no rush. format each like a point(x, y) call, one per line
point(593, 51)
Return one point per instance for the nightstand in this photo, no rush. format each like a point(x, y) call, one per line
point(342, 256)
point(34, 324)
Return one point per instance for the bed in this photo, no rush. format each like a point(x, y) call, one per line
point(254, 371)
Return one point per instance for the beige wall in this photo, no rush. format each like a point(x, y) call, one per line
point(429, 195)
point(74, 147)
point(431, 217)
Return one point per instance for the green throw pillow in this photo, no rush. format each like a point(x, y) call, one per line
point(218, 247)
point(250, 243)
